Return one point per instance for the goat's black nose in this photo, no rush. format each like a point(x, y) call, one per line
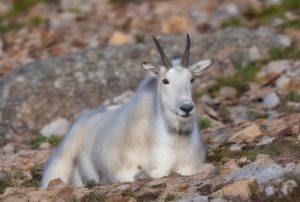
point(187, 107)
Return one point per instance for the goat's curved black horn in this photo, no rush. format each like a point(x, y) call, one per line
point(186, 55)
point(163, 56)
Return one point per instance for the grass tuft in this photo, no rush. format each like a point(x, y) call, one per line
point(204, 123)
point(53, 140)
point(284, 53)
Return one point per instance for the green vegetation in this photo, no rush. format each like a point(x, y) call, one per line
point(127, 192)
point(256, 114)
point(31, 183)
point(293, 24)
point(278, 148)
point(204, 123)
point(238, 80)
point(232, 22)
point(124, 2)
point(53, 140)
point(90, 184)
point(170, 197)
point(38, 20)
point(5, 182)
point(9, 21)
point(292, 96)
point(284, 53)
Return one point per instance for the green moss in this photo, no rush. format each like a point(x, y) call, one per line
point(256, 114)
point(54, 140)
point(139, 38)
point(75, 10)
point(204, 123)
point(284, 53)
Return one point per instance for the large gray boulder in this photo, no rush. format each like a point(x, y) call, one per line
point(37, 93)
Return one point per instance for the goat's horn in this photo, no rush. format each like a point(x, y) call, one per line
point(186, 55)
point(163, 56)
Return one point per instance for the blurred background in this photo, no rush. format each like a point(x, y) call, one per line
point(39, 29)
point(59, 58)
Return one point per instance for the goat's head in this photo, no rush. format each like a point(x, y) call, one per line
point(175, 82)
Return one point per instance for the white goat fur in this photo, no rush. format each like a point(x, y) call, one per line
point(114, 143)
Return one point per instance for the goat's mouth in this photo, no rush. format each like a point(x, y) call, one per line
point(185, 115)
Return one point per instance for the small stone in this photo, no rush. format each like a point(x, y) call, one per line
point(288, 186)
point(56, 183)
point(119, 38)
point(248, 134)
point(176, 25)
point(236, 189)
point(183, 186)
point(206, 169)
point(45, 146)
point(271, 100)
point(9, 149)
point(262, 173)
point(282, 82)
point(265, 140)
point(269, 191)
point(218, 200)
point(232, 9)
point(263, 159)
point(235, 147)
point(227, 92)
point(284, 41)
point(254, 54)
point(57, 127)
point(290, 168)
point(243, 161)
point(278, 67)
point(297, 169)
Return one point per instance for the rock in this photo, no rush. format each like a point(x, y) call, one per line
point(271, 100)
point(269, 191)
point(183, 186)
point(176, 24)
point(278, 67)
point(193, 199)
point(235, 147)
point(297, 169)
point(206, 169)
point(290, 168)
point(9, 149)
point(263, 159)
point(243, 161)
point(227, 92)
point(1, 48)
point(265, 140)
point(282, 82)
point(45, 145)
point(63, 20)
point(29, 100)
point(249, 134)
point(57, 127)
point(236, 189)
point(218, 200)
point(238, 114)
point(288, 186)
point(119, 38)
point(284, 41)
point(254, 54)
point(262, 173)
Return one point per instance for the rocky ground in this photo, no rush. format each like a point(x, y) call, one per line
point(248, 101)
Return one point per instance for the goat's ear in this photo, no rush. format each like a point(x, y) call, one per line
point(198, 67)
point(151, 69)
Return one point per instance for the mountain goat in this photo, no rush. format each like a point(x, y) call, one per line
point(155, 131)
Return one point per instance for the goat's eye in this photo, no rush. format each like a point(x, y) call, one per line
point(165, 81)
point(192, 80)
